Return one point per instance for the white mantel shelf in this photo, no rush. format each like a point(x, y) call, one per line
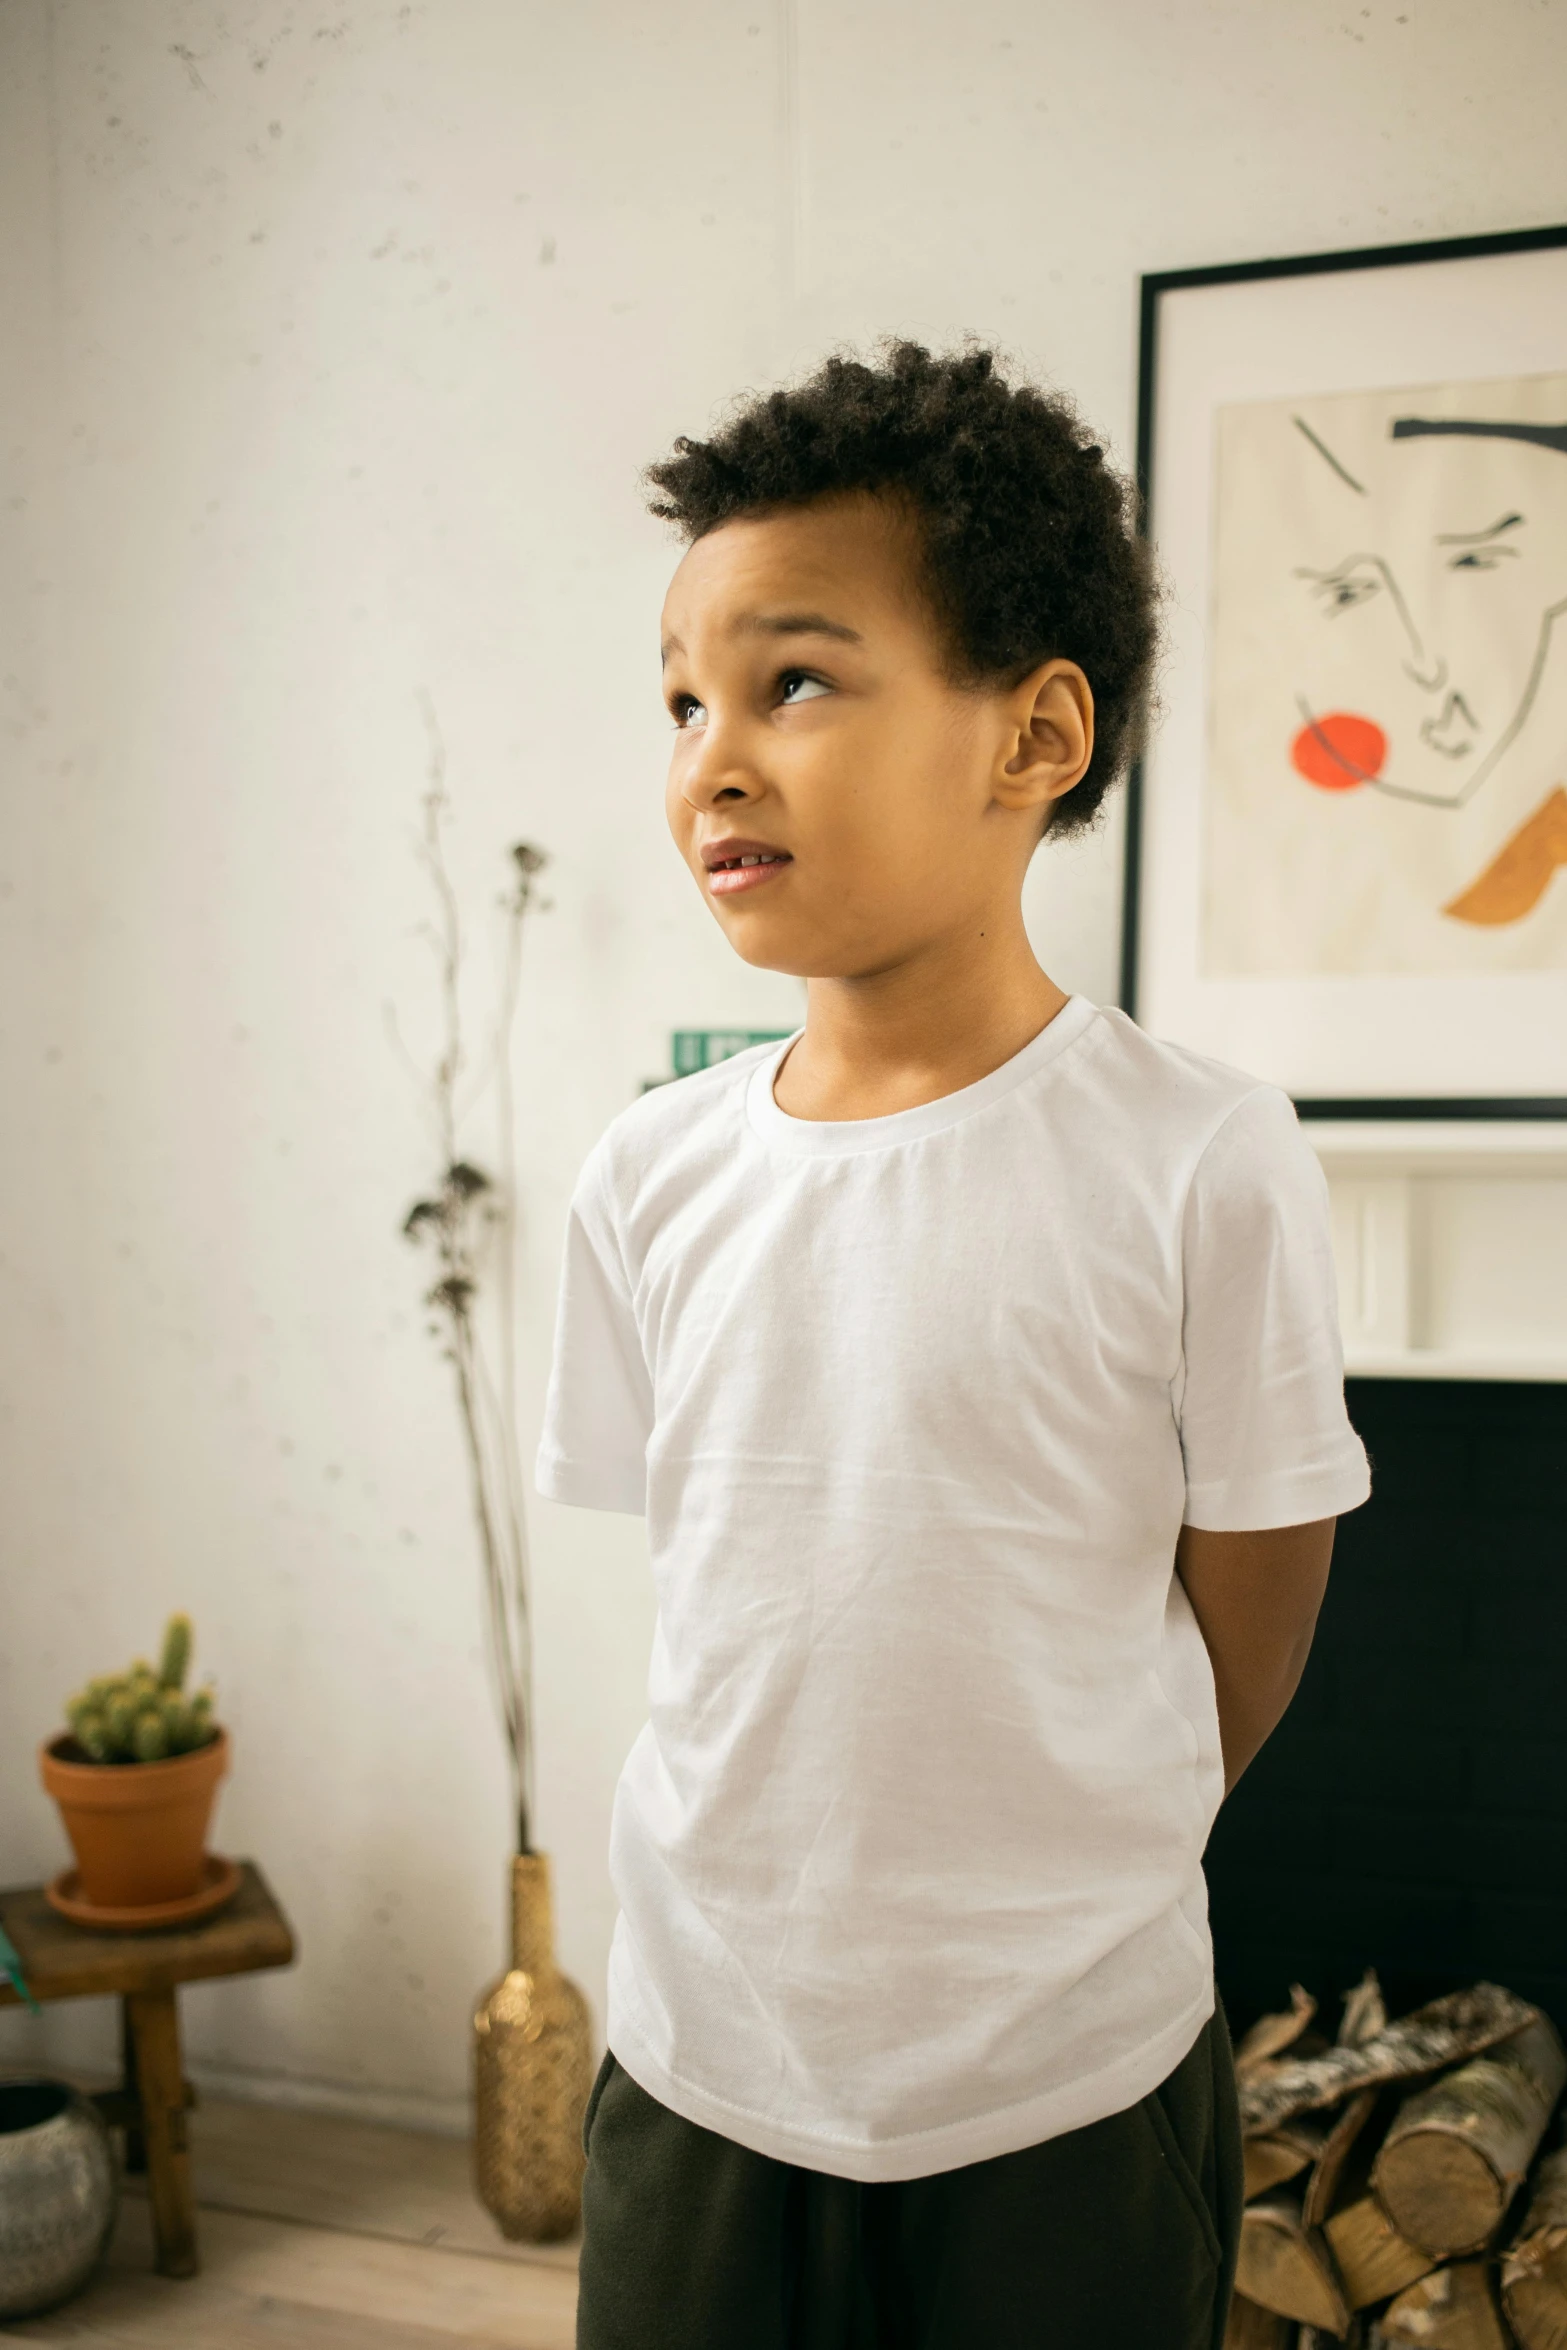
point(1428, 1143)
point(1433, 1362)
point(1451, 1240)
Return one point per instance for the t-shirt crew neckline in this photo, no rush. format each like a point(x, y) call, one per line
point(834, 1137)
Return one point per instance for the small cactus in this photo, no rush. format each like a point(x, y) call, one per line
point(149, 1739)
point(142, 1715)
point(176, 1653)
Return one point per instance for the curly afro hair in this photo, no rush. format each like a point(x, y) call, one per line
point(1030, 553)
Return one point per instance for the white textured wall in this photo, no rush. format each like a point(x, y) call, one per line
point(333, 338)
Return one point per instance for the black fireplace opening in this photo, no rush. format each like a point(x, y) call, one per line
point(1410, 1813)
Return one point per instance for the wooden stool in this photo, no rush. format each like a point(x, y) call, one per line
point(64, 1961)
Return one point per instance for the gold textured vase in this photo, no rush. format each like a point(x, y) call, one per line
point(533, 2066)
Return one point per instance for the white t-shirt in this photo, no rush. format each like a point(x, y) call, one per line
point(909, 1854)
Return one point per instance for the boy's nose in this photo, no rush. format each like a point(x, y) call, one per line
point(718, 776)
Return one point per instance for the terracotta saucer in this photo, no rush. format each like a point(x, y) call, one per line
point(219, 1883)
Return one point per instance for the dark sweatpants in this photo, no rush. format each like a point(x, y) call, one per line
point(1120, 2236)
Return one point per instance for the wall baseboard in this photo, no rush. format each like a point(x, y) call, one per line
point(398, 2109)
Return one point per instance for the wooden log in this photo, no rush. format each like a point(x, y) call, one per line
point(1288, 2268)
point(1457, 2152)
point(1277, 2155)
point(1365, 2012)
point(1271, 2034)
point(1373, 2259)
point(1534, 2273)
point(1272, 2157)
point(1364, 2017)
point(1442, 2033)
point(1250, 2328)
point(1451, 2309)
point(1332, 2157)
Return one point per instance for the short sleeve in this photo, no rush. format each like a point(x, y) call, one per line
point(1260, 1400)
point(599, 1411)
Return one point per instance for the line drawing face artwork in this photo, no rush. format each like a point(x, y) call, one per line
point(1387, 769)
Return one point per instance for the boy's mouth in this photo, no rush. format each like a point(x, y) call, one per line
point(735, 865)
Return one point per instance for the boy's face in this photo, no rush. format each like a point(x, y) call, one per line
point(817, 730)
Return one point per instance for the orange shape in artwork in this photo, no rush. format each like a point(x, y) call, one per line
point(1340, 751)
point(1514, 882)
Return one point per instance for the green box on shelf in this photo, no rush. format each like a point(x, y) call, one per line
point(703, 1048)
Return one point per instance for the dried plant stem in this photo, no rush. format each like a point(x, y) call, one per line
point(500, 1564)
point(504, 1408)
point(472, 1223)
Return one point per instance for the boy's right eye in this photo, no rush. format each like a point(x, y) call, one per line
point(688, 711)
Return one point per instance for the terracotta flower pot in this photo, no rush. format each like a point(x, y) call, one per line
point(138, 1830)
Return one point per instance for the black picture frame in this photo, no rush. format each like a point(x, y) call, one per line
point(1152, 290)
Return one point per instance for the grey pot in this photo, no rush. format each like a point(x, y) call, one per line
point(59, 2187)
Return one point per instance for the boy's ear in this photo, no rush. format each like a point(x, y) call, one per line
point(1050, 728)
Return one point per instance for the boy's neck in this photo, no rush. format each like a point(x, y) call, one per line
point(924, 1027)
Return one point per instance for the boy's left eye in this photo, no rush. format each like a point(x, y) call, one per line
point(797, 685)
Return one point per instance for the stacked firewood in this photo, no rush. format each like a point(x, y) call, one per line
point(1404, 2183)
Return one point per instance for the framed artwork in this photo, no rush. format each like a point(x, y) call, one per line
point(1347, 842)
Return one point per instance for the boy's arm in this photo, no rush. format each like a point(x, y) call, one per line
point(1255, 1597)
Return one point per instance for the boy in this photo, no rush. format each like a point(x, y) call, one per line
point(975, 1360)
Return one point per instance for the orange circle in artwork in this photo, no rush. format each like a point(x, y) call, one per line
point(1339, 751)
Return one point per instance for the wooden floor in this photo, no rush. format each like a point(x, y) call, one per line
point(323, 2235)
